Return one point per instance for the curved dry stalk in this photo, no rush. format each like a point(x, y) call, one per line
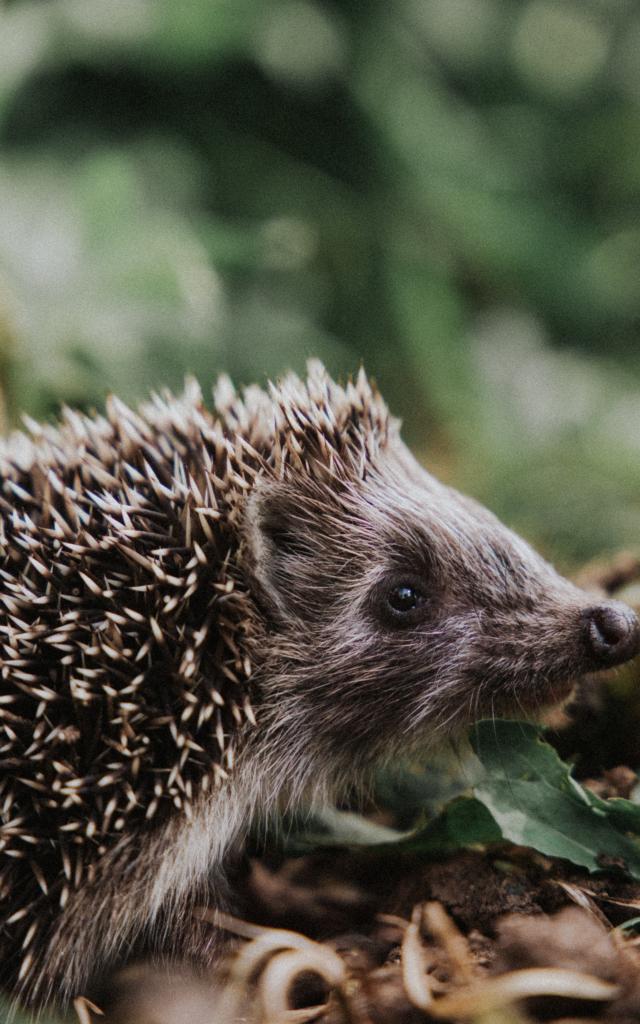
point(249, 959)
point(84, 1008)
point(229, 923)
point(289, 954)
point(282, 970)
point(452, 941)
point(498, 992)
point(584, 899)
point(263, 942)
point(393, 919)
point(416, 981)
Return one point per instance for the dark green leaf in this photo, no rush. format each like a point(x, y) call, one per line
point(534, 800)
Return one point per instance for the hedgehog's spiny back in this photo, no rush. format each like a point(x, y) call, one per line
point(122, 628)
point(125, 619)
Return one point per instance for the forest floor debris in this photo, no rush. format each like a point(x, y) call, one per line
point(505, 936)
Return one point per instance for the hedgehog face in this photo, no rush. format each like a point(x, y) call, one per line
point(400, 610)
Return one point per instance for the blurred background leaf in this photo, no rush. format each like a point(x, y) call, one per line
point(447, 190)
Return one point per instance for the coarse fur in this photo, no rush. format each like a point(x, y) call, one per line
point(195, 630)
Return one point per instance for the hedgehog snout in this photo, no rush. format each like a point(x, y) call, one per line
point(610, 634)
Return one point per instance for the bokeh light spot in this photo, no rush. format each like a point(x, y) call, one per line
point(558, 48)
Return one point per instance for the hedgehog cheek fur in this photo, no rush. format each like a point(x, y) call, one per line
point(207, 616)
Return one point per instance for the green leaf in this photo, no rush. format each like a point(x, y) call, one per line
point(532, 797)
point(522, 792)
point(464, 822)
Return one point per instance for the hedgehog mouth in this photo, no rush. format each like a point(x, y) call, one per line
point(546, 692)
point(511, 695)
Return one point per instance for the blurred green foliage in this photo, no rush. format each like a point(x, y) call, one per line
point(447, 190)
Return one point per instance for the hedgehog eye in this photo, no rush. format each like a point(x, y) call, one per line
point(401, 599)
point(404, 598)
point(404, 602)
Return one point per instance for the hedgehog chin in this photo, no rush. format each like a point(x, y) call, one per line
point(556, 694)
point(532, 700)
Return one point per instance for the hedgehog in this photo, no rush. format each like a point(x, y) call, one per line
point(207, 617)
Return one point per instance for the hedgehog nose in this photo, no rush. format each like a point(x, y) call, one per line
point(611, 634)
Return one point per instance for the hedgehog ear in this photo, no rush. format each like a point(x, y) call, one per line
point(272, 542)
point(277, 526)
